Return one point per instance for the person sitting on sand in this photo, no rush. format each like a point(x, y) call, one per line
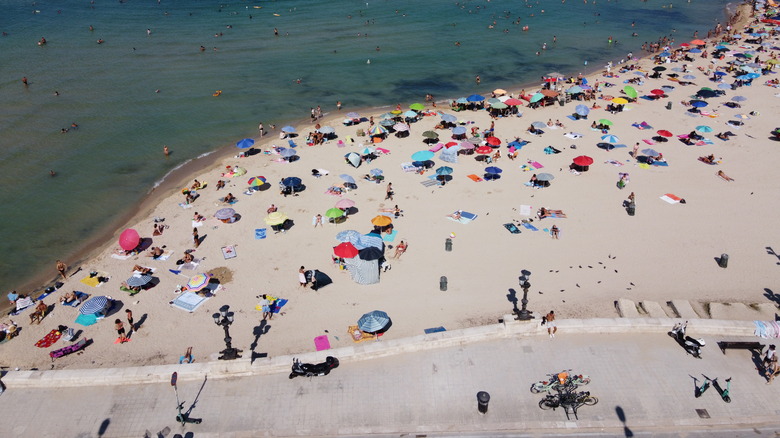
point(400, 249)
point(220, 184)
point(229, 199)
point(709, 159)
point(142, 270)
point(198, 217)
point(196, 185)
point(271, 209)
point(455, 216)
point(724, 176)
point(156, 252)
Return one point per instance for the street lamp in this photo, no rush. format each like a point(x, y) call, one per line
point(225, 318)
point(524, 314)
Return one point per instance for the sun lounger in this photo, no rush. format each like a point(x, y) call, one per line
point(670, 198)
point(291, 143)
point(474, 178)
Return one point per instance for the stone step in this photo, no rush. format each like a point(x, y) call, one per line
point(684, 309)
point(626, 308)
point(653, 309)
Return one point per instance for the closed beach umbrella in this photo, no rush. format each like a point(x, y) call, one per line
point(664, 133)
point(459, 130)
point(93, 305)
point(444, 170)
point(582, 160)
point(703, 128)
point(417, 106)
point(275, 218)
point(609, 138)
point(493, 169)
point(422, 155)
point(430, 134)
point(288, 129)
point(139, 280)
point(245, 143)
point(449, 118)
point(224, 213)
point(129, 239)
point(373, 321)
point(198, 282)
point(630, 91)
point(334, 213)
point(381, 220)
point(582, 110)
point(345, 250)
point(347, 178)
point(345, 203)
point(353, 158)
point(351, 236)
point(544, 177)
point(256, 181)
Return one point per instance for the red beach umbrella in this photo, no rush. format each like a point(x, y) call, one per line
point(129, 239)
point(493, 141)
point(484, 150)
point(698, 43)
point(451, 144)
point(657, 92)
point(345, 250)
point(583, 160)
point(664, 133)
point(513, 102)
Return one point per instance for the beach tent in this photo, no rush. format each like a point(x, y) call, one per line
point(353, 158)
point(319, 279)
point(363, 271)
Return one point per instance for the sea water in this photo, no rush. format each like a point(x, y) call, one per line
point(139, 90)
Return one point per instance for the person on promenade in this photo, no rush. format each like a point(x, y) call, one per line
point(552, 327)
point(61, 268)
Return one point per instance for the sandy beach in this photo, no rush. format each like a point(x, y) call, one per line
point(665, 251)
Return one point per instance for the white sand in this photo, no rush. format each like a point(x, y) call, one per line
point(665, 251)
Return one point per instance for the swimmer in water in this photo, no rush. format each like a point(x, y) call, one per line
point(166, 151)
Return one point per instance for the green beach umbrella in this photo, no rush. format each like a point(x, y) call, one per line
point(536, 97)
point(334, 213)
point(499, 105)
point(605, 122)
point(417, 107)
point(430, 134)
point(630, 91)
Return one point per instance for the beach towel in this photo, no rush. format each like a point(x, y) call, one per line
point(291, 144)
point(648, 141)
point(572, 117)
point(512, 228)
point(49, 340)
point(436, 147)
point(613, 162)
point(64, 351)
point(660, 164)
point(670, 198)
point(525, 210)
point(391, 236)
point(229, 252)
point(617, 146)
point(573, 135)
point(260, 233)
point(529, 226)
point(549, 150)
point(165, 256)
point(23, 303)
point(190, 265)
point(185, 206)
point(535, 164)
point(277, 304)
point(196, 224)
point(358, 335)
point(121, 257)
point(188, 301)
point(435, 330)
point(465, 217)
point(555, 215)
point(408, 167)
point(86, 320)
point(322, 343)
point(526, 168)
point(80, 298)
point(474, 178)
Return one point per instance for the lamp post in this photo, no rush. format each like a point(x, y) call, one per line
point(224, 318)
point(524, 314)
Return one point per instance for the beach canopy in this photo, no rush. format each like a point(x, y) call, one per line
point(353, 158)
point(582, 160)
point(245, 143)
point(374, 321)
point(345, 250)
point(129, 239)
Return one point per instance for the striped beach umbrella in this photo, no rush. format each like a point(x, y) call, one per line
point(256, 181)
point(93, 305)
point(373, 321)
point(198, 282)
point(138, 280)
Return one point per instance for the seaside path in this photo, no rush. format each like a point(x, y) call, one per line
point(430, 393)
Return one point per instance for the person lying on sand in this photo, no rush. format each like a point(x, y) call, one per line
point(229, 199)
point(142, 270)
point(724, 176)
point(709, 159)
point(155, 252)
point(455, 215)
point(68, 298)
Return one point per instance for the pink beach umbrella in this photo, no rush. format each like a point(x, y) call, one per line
point(129, 239)
point(345, 204)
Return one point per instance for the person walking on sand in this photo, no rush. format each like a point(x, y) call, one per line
point(554, 232)
point(195, 237)
point(390, 193)
point(265, 307)
point(302, 277)
point(130, 322)
point(120, 330)
point(61, 268)
point(552, 327)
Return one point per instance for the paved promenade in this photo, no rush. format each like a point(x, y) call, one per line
point(427, 392)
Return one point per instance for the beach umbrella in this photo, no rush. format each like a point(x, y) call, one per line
point(345, 250)
point(198, 282)
point(499, 91)
point(544, 177)
point(513, 102)
point(275, 218)
point(493, 141)
point(387, 116)
point(461, 100)
point(345, 203)
point(706, 93)
point(619, 101)
point(582, 160)
point(695, 50)
point(689, 77)
point(373, 321)
point(605, 122)
point(449, 118)
point(256, 181)
point(475, 98)
point(536, 97)
point(347, 178)
point(657, 92)
point(129, 239)
point(539, 125)
point(582, 110)
point(459, 130)
point(466, 145)
point(422, 155)
point(664, 133)
point(430, 134)
point(609, 138)
point(484, 150)
point(450, 144)
point(287, 152)
point(326, 130)
point(417, 107)
point(291, 181)
point(664, 54)
point(724, 86)
point(381, 220)
point(444, 170)
point(245, 143)
point(697, 42)
point(93, 305)
point(224, 213)
point(659, 68)
point(499, 105)
point(288, 129)
point(377, 130)
point(605, 146)
point(239, 171)
point(139, 280)
point(353, 115)
point(400, 127)
point(367, 151)
point(739, 98)
point(375, 172)
point(703, 128)
point(493, 100)
point(698, 103)
point(720, 73)
point(353, 158)
point(493, 170)
point(575, 90)
point(334, 213)
point(630, 91)
point(373, 240)
point(411, 114)
point(650, 152)
point(351, 236)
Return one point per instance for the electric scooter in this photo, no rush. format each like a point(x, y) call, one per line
point(182, 417)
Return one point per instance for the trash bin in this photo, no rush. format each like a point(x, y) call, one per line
point(443, 283)
point(483, 398)
point(448, 245)
point(723, 261)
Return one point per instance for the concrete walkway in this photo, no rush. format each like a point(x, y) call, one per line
point(427, 392)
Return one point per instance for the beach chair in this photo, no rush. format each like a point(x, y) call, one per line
point(291, 143)
point(69, 334)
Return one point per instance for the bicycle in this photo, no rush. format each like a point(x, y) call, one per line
point(559, 381)
point(567, 400)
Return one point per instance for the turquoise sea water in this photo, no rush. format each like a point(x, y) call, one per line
point(113, 160)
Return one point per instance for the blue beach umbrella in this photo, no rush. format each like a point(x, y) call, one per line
point(347, 178)
point(475, 98)
point(461, 100)
point(575, 89)
point(720, 73)
point(650, 152)
point(375, 172)
point(93, 305)
point(582, 110)
point(689, 77)
point(373, 321)
point(326, 130)
point(245, 143)
point(698, 103)
point(350, 236)
point(459, 130)
point(288, 129)
point(695, 50)
point(444, 170)
point(703, 128)
point(493, 169)
point(291, 181)
point(287, 152)
point(724, 86)
point(609, 138)
point(422, 155)
point(739, 98)
point(449, 118)
point(410, 114)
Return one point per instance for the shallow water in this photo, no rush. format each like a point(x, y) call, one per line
point(107, 165)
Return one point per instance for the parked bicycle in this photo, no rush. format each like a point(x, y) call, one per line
point(560, 381)
point(568, 400)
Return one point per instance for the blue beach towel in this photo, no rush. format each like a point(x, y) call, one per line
point(86, 320)
point(390, 237)
point(278, 304)
point(530, 227)
point(435, 330)
point(260, 233)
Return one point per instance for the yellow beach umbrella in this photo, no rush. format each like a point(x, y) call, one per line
point(619, 101)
